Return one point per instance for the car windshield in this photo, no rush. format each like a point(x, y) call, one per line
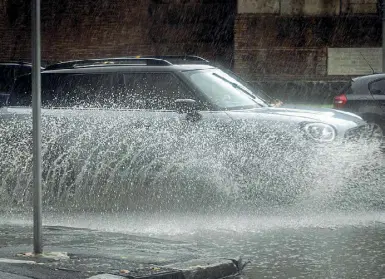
point(224, 90)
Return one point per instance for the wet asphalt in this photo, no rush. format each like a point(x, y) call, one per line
point(333, 245)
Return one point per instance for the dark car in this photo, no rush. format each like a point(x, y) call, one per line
point(365, 96)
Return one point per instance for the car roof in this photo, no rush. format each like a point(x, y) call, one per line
point(129, 68)
point(368, 77)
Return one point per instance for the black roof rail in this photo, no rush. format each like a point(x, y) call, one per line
point(108, 62)
point(175, 59)
point(16, 62)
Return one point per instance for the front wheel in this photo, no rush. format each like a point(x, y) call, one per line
point(376, 132)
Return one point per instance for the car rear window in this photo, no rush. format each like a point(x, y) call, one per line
point(347, 88)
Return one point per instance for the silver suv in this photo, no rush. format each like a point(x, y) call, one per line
point(137, 129)
point(174, 85)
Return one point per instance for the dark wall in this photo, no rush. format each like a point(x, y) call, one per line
point(98, 28)
point(275, 50)
point(288, 55)
point(287, 48)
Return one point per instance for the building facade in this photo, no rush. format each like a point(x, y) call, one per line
point(304, 50)
point(298, 50)
point(73, 29)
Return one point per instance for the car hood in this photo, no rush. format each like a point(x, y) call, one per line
point(324, 115)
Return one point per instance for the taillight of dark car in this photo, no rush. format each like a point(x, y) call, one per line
point(340, 101)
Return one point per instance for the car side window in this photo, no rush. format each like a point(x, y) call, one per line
point(86, 90)
point(67, 90)
point(377, 87)
point(155, 91)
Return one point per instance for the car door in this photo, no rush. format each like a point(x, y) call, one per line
point(171, 149)
point(151, 98)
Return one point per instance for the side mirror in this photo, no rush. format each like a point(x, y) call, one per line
point(3, 99)
point(188, 106)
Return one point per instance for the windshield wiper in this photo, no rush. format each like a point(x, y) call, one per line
point(234, 85)
point(239, 87)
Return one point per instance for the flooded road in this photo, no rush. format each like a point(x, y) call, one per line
point(348, 252)
point(342, 251)
point(330, 245)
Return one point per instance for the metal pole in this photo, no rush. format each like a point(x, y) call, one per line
point(36, 118)
point(383, 35)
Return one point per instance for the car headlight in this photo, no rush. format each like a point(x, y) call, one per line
point(319, 132)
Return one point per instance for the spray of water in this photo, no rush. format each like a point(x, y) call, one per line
point(124, 161)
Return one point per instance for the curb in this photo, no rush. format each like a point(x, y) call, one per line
point(208, 271)
point(213, 271)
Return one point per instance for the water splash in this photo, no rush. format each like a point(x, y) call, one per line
point(114, 161)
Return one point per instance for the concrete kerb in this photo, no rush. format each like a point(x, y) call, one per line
point(219, 270)
point(153, 258)
point(183, 271)
point(193, 269)
point(205, 268)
